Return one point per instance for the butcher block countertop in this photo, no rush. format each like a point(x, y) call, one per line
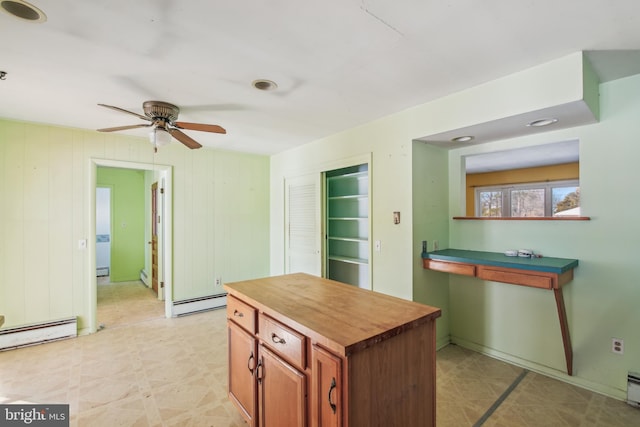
point(343, 317)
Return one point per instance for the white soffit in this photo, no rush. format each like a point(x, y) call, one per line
point(525, 157)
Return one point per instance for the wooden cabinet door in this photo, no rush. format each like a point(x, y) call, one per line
point(242, 364)
point(326, 394)
point(282, 392)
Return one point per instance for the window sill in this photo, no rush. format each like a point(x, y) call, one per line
point(525, 218)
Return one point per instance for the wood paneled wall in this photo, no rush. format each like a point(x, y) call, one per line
point(220, 213)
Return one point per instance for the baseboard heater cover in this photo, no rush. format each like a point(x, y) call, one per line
point(144, 278)
point(198, 305)
point(633, 389)
point(39, 333)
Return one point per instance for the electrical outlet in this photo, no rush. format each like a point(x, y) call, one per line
point(378, 245)
point(617, 345)
point(218, 281)
point(435, 245)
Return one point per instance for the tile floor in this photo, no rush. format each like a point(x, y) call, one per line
point(145, 370)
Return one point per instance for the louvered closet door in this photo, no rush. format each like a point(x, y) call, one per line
point(303, 233)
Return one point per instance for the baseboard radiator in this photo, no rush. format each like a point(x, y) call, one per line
point(144, 278)
point(40, 333)
point(633, 389)
point(198, 305)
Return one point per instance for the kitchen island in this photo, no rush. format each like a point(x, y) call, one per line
point(310, 351)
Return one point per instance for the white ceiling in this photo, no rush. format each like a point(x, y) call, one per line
point(338, 63)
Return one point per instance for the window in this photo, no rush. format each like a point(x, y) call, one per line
point(545, 199)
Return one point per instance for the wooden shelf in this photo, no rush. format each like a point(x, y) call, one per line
point(523, 218)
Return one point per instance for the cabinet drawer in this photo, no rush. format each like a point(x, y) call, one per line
point(524, 279)
point(241, 313)
point(285, 341)
point(449, 267)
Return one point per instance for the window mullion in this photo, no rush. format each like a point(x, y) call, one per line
point(506, 201)
point(547, 201)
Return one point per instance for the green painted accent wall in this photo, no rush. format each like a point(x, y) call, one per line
point(219, 205)
point(431, 223)
point(426, 185)
point(521, 324)
point(128, 221)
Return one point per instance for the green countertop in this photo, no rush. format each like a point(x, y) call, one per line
point(498, 259)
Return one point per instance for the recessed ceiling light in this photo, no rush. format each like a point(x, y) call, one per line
point(465, 138)
point(23, 10)
point(542, 122)
point(264, 84)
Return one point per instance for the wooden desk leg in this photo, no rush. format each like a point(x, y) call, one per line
point(564, 327)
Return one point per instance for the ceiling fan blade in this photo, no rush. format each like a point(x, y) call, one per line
point(184, 138)
point(126, 111)
point(124, 127)
point(201, 127)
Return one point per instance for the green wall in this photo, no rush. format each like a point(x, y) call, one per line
point(431, 223)
point(127, 221)
point(219, 206)
point(521, 324)
point(426, 185)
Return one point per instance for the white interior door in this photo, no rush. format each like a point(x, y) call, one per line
point(303, 230)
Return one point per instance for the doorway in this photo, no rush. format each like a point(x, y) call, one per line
point(156, 173)
point(103, 233)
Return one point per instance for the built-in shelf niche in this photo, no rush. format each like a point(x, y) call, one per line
point(347, 225)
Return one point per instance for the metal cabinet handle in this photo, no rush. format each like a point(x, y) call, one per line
point(259, 371)
point(251, 357)
point(333, 386)
point(276, 339)
point(238, 313)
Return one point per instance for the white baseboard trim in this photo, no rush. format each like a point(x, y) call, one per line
point(197, 305)
point(543, 370)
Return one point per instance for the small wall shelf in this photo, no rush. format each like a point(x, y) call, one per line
point(524, 218)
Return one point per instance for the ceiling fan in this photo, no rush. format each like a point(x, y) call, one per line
point(162, 116)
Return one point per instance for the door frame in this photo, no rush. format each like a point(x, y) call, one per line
point(165, 246)
point(156, 233)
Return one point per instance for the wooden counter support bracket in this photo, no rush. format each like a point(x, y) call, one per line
point(564, 328)
point(543, 273)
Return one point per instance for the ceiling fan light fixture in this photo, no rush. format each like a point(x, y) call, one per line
point(159, 137)
point(542, 122)
point(23, 10)
point(264, 84)
point(465, 138)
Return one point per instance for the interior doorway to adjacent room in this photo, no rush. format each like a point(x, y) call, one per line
point(127, 304)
